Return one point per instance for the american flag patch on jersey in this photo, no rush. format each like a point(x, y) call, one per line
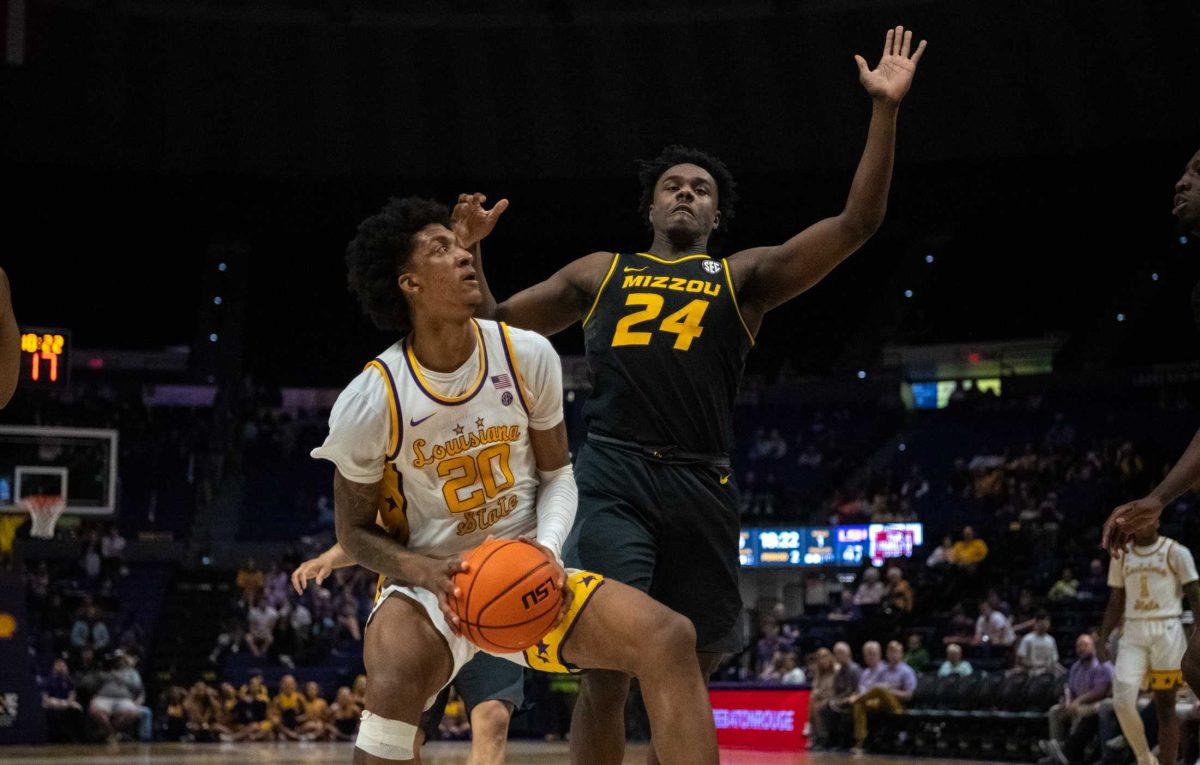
point(502, 381)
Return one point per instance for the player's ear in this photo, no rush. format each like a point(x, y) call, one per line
point(408, 283)
point(716, 220)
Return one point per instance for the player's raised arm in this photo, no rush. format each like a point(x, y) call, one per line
point(10, 343)
point(769, 276)
point(547, 307)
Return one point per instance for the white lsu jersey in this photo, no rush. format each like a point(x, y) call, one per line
point(452, 449)
point(1153, 578)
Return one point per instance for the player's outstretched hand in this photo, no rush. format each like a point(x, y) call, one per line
point(437, 576)
point(317, 568)
point(471, 222)
point(892, 77)
point(1127, 520)
point(560, 579)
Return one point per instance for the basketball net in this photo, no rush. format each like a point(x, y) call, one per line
point(44, 510)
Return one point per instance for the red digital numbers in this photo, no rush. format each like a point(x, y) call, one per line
point(46, 352)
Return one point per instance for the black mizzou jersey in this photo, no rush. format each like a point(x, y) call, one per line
point(666, 345)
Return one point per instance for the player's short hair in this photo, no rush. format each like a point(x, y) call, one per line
point(649, 171)
point(379, 252)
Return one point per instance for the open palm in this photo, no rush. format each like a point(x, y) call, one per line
point(471, 222)
point(893, 76)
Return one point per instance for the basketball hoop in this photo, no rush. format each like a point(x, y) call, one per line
point(44, 509)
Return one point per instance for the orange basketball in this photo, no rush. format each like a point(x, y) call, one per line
point(509, 598)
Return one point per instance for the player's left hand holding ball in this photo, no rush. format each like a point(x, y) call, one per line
point(437, 576)
point(472, 223)
point(560, 577)
point(890, 80)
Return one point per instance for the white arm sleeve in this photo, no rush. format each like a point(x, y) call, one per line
point(358, 430)
point(556, 503)
point(1116, 573)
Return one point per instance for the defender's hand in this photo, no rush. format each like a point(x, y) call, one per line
point(472, 223)
point(1127, 520)
point(891, 79)
point(317, 568)
point(560, 579)
point(437, 576)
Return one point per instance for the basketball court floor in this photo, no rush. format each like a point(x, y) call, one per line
point(519, 753)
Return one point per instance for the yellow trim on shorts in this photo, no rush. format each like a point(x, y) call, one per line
point(546, 655)
point(612, 267)
point(393, 410)
point(1166, 680)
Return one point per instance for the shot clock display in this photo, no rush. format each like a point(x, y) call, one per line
point(828, 545)
point(45, 358)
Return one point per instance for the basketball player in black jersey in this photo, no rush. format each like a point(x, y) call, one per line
point(1128, 519)
point(666, 333)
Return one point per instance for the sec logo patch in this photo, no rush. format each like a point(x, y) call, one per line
point(712, 266)
point(506, 398)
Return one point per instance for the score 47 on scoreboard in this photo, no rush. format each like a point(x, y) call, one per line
point(801, 546)
point(45, 358)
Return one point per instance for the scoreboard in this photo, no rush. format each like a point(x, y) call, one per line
point(801, 546)
point(45, 358)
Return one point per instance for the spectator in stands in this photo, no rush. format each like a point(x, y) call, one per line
point(314, 723)
point(943, 554)
point(1066, 588)
point(89, 631)
point(823, 680)
point(992, 628)
point(454, 725)
point(286, 709)
point(969, 551)
point(870, 590)
point(776, 446)
point(883, 687)
point(253, 706)
point(64, 715)
point(348, 627)
point(1095, 584)
point(846, 610)
point(227, 726)
point(275, 588)
point(783, 669)
point(202, 708)
point(261, 620)
point(116, 706)
point(1038, 651)
point(899, 596)
point(954, 664)
point(1025, 615)
point(344, 714)
point(917, 656)
point(112, 549)
point(250, 579)
point(1074, 721)
point(175, 716)
point(768, 645)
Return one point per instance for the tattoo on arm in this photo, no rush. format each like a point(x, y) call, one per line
point(354, 510)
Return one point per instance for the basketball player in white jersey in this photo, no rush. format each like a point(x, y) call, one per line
point(452, 434)
point(1148, 583)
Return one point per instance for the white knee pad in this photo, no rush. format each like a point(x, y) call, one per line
point(388, 739)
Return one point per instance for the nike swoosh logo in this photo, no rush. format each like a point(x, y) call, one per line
point(725, 479)
point(415, 423)
point(628, 269)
